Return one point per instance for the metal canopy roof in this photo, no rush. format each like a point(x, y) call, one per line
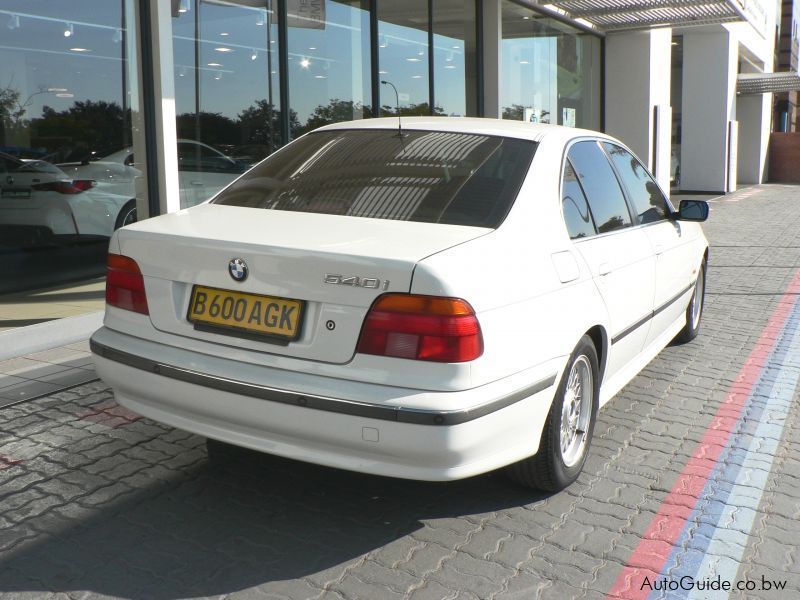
point(617, 15)
point(765, 83)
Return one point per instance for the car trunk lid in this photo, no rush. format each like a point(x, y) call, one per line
point(334, 265)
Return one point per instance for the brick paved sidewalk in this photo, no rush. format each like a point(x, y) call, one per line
point(96, 502)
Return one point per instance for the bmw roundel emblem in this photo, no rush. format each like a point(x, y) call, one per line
point(238, 269)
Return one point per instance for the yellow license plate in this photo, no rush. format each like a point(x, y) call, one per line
point(252, 313)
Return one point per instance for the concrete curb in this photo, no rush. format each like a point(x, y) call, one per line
point(43, 336)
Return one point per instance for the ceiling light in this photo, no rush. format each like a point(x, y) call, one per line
point(181, 71)
point(117, 37)
point(305, 63)
point(79, 50)
point(184, 6)
point(65, 95)
point(254, 54)
point(218, 75)
point(383, 72)
point(524, 62)
point(312, 47)
point(213, 64)
point(416, 77)
point(13, 22)
point(413, 59)
point(320, 76)
point(224, 33)
point(261, 19)
point(56, 89)
point(223, 49)
point(449, 66)
point(69, 29)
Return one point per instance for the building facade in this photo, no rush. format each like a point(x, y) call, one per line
point(112, 110)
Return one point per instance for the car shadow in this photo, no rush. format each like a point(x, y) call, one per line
point(220, 528)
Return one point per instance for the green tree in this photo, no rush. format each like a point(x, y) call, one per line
point(260, 123)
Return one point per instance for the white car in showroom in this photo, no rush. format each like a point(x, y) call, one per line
point(431, 303)
point(202, 172)
point(36, 193)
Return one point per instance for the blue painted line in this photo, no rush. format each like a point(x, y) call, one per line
point(716, 533)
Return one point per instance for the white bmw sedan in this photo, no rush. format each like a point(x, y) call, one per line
point(432, 304)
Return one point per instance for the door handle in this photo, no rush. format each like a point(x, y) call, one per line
point(604, 269)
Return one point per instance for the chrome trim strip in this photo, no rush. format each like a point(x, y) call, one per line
point(645, 319)
point(338, 405)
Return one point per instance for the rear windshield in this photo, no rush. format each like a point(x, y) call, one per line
point(425, 176)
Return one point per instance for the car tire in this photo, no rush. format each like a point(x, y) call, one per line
point(556, 465)
point(694, 312)
point(127, 214)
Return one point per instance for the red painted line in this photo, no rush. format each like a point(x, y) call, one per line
point(111, 415)
point(654, 548)
point(7, 462)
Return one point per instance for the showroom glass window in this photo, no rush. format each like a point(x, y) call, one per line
point(403, 56)
point(329, 63)
point(227, 91)
point(65, 127)
point(643, 191)
point(455, 70)
point(550, 70)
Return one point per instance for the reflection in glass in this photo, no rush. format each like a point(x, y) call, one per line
point(329, 63)
point(64, 108)
point(403, 56)
point(649, 202)
point(454, 57)
point(549, 70)
point(600, 184)
point(227, 91)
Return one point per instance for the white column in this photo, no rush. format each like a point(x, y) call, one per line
point(492, 39)
point(638, 69)
point(165, 142)
point(754, 114)
point(709, 102)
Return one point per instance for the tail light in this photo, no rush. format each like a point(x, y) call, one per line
point(65, 187)
point(125, 285)
point(421, 328)
point(83, 184)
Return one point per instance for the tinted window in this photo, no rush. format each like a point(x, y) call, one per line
point(425, 176)
point(647, 199)
point(601, 186)
point(576, 210)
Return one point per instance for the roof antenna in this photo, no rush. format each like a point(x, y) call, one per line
point(397, 106)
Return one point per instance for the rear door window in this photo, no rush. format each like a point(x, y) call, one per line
point(577, 215)
point(425, 176)
point(601, 186)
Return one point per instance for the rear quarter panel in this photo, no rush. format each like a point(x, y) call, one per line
point(528, 315)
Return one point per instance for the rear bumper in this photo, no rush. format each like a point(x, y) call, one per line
point(370, 428)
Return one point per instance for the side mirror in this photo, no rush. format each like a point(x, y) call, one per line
point(693, 210)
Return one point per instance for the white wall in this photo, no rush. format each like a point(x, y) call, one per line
point(638, 68)
point(710, 60)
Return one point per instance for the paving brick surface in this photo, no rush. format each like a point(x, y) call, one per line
point(98, 503)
